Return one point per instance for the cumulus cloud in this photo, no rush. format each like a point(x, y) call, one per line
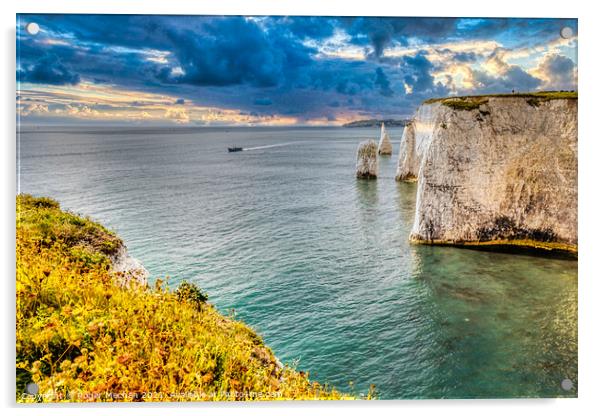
point(514, 78)
point(35, 108)
point(500, 76)
point(558, 72)
point(81, 111)
point(179, 115)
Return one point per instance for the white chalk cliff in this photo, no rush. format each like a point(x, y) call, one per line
point(494, 171)
point(384, 145)
point(414, 140)
point(128, 269)
point(367, 160)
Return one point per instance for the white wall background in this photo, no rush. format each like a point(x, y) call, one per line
point(590, 275)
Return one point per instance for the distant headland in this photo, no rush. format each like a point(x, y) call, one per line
point(377, 123)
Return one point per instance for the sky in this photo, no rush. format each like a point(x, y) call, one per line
point(275, 70)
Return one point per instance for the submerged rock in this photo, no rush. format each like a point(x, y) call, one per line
point(384, 145)
point(500, 172)
point(367, 160)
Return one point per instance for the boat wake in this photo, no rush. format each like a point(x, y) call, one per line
point(269, 146)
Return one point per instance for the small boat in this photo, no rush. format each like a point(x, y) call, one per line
point(234, 149)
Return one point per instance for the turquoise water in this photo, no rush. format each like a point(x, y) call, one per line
point(316, 261)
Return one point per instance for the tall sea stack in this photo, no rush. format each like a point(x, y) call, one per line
point(494, 170)
point(367, 160)
point(384, 145)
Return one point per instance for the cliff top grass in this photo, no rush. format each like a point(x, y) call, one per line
point(472, 102)
point(80, 336)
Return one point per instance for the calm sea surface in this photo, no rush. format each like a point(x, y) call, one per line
point(316, 261)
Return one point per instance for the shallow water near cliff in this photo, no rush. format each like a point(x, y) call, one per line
point(316, 261)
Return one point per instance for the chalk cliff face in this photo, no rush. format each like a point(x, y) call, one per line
point(414, 140)
point(367, 160)
point(502, 171)
point(127, 268)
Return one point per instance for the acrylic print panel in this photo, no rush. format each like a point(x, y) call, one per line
point(274, 207)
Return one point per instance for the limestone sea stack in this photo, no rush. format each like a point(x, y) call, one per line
point(384, 145)
point(367, 160)
point(494, 170)
point(415, 136)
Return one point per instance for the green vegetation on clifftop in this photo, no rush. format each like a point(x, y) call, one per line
point(472, 102)
point(82, 337)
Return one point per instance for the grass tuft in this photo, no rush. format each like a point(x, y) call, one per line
point(464, 103)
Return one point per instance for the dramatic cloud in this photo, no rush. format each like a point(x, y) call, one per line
point(275, 70)
point(307, 27)
point(180, 115)
point(252, 56)
point(48, 70)
point(382, 31)
point(383, 82)
point(417, 76)
point(557, 71)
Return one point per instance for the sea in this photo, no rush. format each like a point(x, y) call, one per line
point(283, 237)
